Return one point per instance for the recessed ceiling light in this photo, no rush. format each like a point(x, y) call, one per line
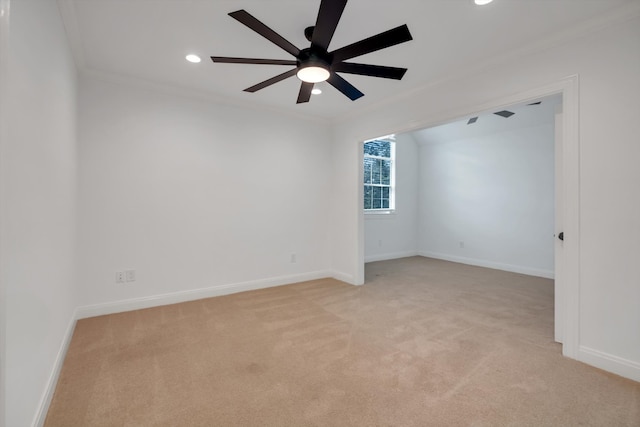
point(316, 91)
point(482, 2)
point(193, 58)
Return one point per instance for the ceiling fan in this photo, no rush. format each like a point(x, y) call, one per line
point(316, 64)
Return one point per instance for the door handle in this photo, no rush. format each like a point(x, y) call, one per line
point(561, 236)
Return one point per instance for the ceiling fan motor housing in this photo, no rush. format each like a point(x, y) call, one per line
point(311, 57)
point(308, 32)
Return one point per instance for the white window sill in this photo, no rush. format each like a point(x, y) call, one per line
point(380, 214)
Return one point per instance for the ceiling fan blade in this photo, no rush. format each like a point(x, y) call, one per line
point(271, 81)
point(370, 70)
point(228, 60)
point(250, 21)
point(328, 17)
point(305, 92)
point(344, 86)
point(388, 38)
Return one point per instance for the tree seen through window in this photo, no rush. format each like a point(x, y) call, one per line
point(378, 174)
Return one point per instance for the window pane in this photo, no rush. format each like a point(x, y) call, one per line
point(367, 191)
point(385, 192)
point(377, 204)
point(368, 167)
point(378, 148)
point(367, 202)
point(377, 193)
point(385, 172)
point(385, 203)
point(385, 149)
point(367, 197)
point(376, 172)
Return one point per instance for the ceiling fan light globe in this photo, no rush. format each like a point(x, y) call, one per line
point(313, 74)
point(482, 2)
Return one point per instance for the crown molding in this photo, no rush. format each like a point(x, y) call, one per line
point(70, 21)
point(184, 92)
point(614, 17)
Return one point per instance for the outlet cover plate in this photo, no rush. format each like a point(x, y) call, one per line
point(130, 275)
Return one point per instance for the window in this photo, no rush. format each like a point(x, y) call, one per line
point(379, 174)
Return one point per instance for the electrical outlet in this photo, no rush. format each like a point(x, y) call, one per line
point(462, 245)
point(130, 275)
point(294, 258)
point(120, 276)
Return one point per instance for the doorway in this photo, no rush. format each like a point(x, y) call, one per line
point(567, 255)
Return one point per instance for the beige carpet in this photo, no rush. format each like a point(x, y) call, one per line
point(423, 343)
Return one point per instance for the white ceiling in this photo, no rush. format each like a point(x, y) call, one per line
point(148, 40)
point(525, 115)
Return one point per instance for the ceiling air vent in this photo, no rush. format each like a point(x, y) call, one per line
point(504, 113)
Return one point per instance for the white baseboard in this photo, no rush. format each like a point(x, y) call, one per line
point(195, 294)
point(154, 301)
point(608, 362)
point(47, 395)
point(394, 255)
point(343, 277)
point(490, 264)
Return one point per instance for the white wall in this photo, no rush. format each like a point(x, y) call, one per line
point(195, 195)
point(394, 235)
point(608, 64)
point(489, 199)
point(38, 199)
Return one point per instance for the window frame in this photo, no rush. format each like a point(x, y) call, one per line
point(392, 178)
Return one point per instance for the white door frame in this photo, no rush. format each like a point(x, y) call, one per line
point(4, 66)
point(568, 314)
point(558, 226)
